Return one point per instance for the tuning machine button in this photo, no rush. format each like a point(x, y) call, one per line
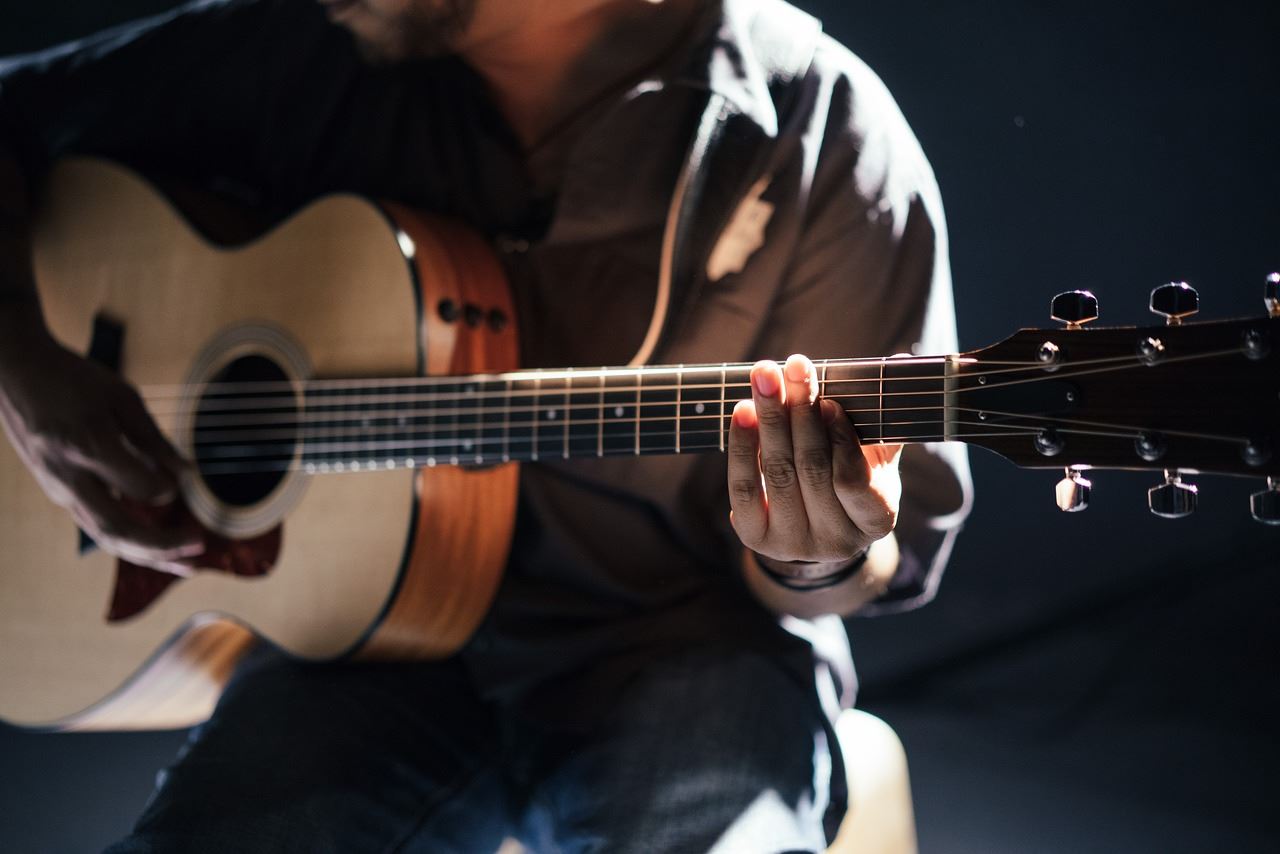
point(1074, 308)
point(1172, 499)
point(1265, 505)
point(1072, 492)
point(1272, 296)
point(1174, 302)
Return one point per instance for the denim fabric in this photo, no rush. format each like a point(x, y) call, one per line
point(709, 750)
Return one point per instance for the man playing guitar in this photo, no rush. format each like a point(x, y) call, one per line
point(632, 688)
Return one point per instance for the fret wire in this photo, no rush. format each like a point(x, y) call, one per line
point(679, 377)
point(639, 380)
point(506, 426)
point(723, 367)
point(425, 443)
point(881, 403)
point(434, 395)
point(568, 416)
point(181, 390)
point(537, 388)
point(323, 419)
point(432, 399)
point(600, 422)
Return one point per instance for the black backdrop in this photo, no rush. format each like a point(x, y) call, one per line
point(1104, 681)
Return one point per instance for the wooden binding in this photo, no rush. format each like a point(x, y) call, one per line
point(465, 517)
point(178, 686)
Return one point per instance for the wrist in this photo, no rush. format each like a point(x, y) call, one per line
point(804, 576)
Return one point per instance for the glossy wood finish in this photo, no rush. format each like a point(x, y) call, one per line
point(180, 683)
point(335, 280)
point(1203, 394)
point(465, 516)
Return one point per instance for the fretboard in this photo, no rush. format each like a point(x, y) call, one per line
point(535, 415)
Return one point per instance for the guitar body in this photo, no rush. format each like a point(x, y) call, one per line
point(399, 563)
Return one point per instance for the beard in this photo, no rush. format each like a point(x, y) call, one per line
point(418, 29)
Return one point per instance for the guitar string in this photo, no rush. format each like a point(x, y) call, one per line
point(561, 441)
point(466, 442)
point(327, 467)
point(331, 430)
point(328, 422)
point(256, 418)
point(315, 387)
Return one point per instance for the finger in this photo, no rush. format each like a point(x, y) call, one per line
point(748, 513)
point(852, 475)
point(830, 527)
point(112, 458)
point(143, 433)
point(787, 517)
point(118, 532)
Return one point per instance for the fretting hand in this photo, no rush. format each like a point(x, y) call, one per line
point(801, 485)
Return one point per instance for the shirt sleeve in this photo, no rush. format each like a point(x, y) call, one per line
point(871, 277)
point(180, 92)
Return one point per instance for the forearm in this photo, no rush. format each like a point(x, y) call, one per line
point(844, 598)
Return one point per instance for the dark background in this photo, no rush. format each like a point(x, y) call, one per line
point(1103, 681)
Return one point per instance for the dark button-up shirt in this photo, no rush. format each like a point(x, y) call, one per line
point(613, 558)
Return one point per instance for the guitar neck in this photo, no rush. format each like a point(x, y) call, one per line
point(533, 415)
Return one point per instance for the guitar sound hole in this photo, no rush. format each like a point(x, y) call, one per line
point(246, 435)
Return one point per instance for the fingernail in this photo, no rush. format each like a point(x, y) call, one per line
point(796, 370)
point(744, 414)
point(765, 381)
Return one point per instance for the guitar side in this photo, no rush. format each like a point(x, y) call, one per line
point(378, 563)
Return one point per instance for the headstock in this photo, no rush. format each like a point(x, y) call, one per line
point(1178, 398)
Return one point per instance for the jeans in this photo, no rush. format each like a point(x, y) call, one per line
point(705, 750)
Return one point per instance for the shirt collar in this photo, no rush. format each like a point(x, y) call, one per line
point(724, 62)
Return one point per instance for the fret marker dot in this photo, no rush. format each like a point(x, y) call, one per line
point(551, 415)
point(466, 444)
point(619, 411)
point(699, 408)
point(401, 421)
point(365, 422)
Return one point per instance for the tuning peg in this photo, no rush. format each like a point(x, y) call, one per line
point(1172, 499)
point(1074, 308)
point(1272, 296)
point(1175, 301)
point(1265, 505)
point(1072, 492)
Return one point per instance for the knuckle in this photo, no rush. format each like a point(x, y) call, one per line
point(772, 415)
point(879, 523)
point(744, 490)
point(842, 437)
point(849, 478)
point(814, 466)
point(779, 474)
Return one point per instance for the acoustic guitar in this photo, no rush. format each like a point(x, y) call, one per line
point(308, 403)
